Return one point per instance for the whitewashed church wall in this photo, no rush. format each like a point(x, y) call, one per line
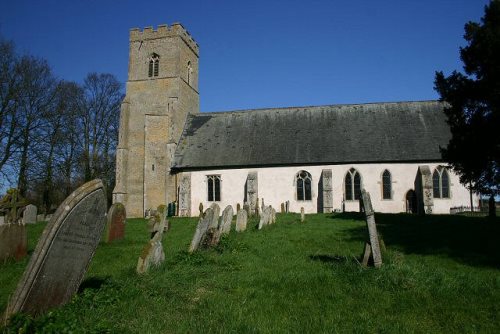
point(277, 185)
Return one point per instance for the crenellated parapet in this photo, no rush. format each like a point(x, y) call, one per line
point(163, 30)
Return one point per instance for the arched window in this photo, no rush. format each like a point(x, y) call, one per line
point(352, 185)
point(303, 181)
point(441, 183)
point(188, 75)
point(154, 65)
point(386, 185)
point(213, 183)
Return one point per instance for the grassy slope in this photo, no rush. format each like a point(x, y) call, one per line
point(441, 274)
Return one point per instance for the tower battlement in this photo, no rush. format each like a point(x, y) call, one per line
point(163, 30)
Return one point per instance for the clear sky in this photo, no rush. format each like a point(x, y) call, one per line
point(256, 53)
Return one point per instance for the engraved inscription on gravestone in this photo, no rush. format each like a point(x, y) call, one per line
point(63, 252)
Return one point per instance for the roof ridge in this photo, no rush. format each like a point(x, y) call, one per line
point(316, 106)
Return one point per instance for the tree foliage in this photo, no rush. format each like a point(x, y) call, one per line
point(54, 135)
point(473, 109)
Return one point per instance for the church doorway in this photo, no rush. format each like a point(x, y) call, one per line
point(411, 201)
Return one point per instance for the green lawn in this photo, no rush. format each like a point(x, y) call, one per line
point(440, 274)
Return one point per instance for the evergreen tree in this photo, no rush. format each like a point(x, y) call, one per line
point(473, 109)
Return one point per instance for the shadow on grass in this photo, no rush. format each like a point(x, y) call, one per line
point(470, 240)
point(93, 283)
point(325, 258)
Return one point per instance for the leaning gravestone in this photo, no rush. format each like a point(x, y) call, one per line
point(63, 252)
point(265, 217)
point(372, 247)
point(241, 221)
point(13, 241)
point(153, 254)
point(29, 214)
point(115, 226)
point(225, 220)
point(201, 230)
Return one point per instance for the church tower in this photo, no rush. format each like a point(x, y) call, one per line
point(162, 88)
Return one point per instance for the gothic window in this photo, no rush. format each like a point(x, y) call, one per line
point(441, 183)
point(303, 181)
point(213, 185)
point(352, 185)
point(154, 64)
point(188, 75)
point(386, 185)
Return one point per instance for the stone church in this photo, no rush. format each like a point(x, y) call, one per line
point(315, 157)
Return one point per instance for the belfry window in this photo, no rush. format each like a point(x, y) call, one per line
point(386, 185)
point(213, 185)
point(154, 65)
point(441, 183)
point(188, 74)
point(303, 182)
point(352, 185)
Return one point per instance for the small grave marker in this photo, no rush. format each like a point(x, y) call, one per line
point(115, 226)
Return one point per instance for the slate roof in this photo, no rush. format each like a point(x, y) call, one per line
point(333, 134)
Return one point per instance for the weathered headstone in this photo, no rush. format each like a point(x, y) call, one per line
point(29, 214)
point(327, 190)
point(63, 252)
point(424, 190)
point(372, 247)
point(185, 195)
point(287, 206)
point(216, 208)
point(241, 221)
point(40, 217)
point(252, 191)
point(265, 217)
point(263, 206)
point(246, 207)
point(238, 207)
point(12, 204)
point(201, 230)
point(200, 207)
point(13, 241)
point(225, 220)
point(257, 207)
point(115, 226)
point(153, 254)
point(302, 215)
point(273, 216)
point(282, 207)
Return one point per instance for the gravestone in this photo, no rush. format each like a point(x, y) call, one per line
point(200, 234)
point(262, 206)
point(241, 221)
point(257, 207)
point(246, 207)
point(63, 252)
point(287, 206)
point(115, 226)
point(273, 216)
point(327, 190)
point(265, 217)
point(200, 207)
point(424, 190)
point(185, 195)
point(282, 207)
point(372, 247)
point(216, 208)
point(29, 214)
point(252, 192)
point(302, 215)
point(40, 217)
point(13, 241)
point(225, 220)
point(153, 254)
point(238, 207)
point(12, 205)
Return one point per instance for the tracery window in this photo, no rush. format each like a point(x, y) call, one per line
point(352, 185)
point(213, 186)
point(154, 65)
point(386, 185)
point(441, 183)
point(303, 182)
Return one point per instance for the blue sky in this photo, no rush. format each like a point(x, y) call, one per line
point(257, 54)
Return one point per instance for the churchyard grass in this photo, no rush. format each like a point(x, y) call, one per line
point(440, 274)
